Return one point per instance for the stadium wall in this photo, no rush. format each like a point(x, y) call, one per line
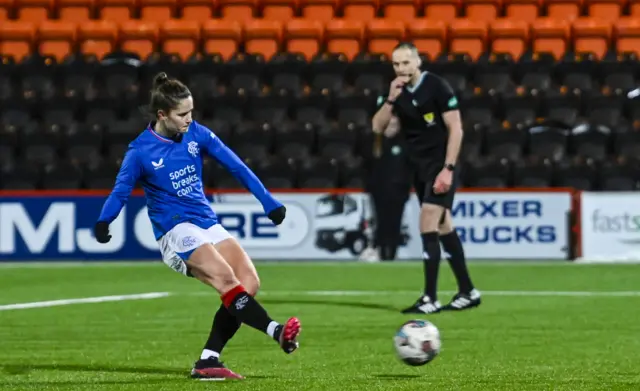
point(321, 224)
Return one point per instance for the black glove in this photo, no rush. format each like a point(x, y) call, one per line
point(277, 215)
point(102, 232)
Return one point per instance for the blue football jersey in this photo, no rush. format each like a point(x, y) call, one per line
point(171, 175)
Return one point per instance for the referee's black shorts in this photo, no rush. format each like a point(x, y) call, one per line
point(423, 183)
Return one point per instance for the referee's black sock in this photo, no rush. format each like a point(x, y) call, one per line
point(247, 310)
point(223, 329)
point(431, 259)
point(453, 246)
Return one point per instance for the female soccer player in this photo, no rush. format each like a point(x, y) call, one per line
point(166, 158)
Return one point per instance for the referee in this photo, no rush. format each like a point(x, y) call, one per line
point(430, 124)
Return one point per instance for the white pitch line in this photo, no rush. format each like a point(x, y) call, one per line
point(390, 293)
point(100, 299)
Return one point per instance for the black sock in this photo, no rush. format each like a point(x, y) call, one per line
point(452, 245)
point(223, 329)
point(248, 311)
point(431, 259)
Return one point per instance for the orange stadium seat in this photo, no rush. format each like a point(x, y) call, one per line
point(16, 38)
point(75, 10)
point(56, 38)
point(551, 36)
point(363, 10)
point(606, 9)
point(563, 9)
point(34, 10)
point(467, 36)
point(482, 10)
point(5, 9)
point(628, 35)
point(139, 37)
point(400, 9)
point(384, 35)
point(344, 36)
point(304, 36)
point(116, 10)
point(522, 9)
point(197, 10)
point(240, 10)
point(180, 37)
point(445, 10)
point(509, 36)
point(429, 36)
point(591, 35)
point(322, 10)
point(263, 37)
point(97, 37)
point(221, 36)
point(282, 10)
point(157, 10)
point(634, 8)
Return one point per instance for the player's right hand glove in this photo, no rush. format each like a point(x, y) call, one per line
point(101, 232)
point(277, 215)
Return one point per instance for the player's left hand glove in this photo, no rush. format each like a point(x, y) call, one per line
point(101, 232)
point(277, 215)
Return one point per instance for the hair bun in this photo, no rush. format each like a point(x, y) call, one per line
point(160, 79)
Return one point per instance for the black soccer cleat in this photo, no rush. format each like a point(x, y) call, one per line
point(424, 305)
point(464, 301)
point(212, 369)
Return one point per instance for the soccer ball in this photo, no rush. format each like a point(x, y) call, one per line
point(417, 342)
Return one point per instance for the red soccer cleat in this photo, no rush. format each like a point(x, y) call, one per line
point(288, 336)
point(212, 369)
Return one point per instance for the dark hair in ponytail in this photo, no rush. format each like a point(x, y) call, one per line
point(166, 94)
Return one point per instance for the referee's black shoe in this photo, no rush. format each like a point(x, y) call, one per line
point(464, 301)
point(424, 305)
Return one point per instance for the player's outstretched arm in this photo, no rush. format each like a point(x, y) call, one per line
point(130, 171)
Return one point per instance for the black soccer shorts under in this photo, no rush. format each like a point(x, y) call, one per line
point(423, 184)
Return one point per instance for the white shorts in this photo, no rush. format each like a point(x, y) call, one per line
point(177, 245)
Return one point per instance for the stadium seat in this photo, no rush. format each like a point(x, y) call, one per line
point(116, 10)
point(428, 36)
point(548, 143)
point(590, 142)
point(320, 10)
point(97, 37)
point(344, 37)
point(619, 175)
point(304, 36)
point(16, 39)
point(360, 10)
point(482, 10)
point(563, 9)
point(317, 173)
point(634, 8)
point(75, 10)
point(157, 11)
point(526, 10)
point(610, 10)
point(6, 6)
point(467, 36)
point(591, 35)
point(34, 10)
point(262, 37)
point(238, 10)
point(443, 10)
point(533, 172)
point(577, 173)
point(62, 175)
point(550, 36)
point(180, 37)
point(139, 37)
point(628, 35)
point(280, 10)
point(384, 35)
point(56, 38)
point(400, 9)
point(488, 172)
point(221, 36)
point(509, 36)
point(294, 140)
point(197, 10)
point(23, 176)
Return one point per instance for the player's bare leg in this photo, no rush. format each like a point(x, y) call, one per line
point(209, 266)
point(467, 296)
point(430, 217)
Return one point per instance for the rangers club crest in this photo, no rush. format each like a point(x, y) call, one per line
point(193, 148)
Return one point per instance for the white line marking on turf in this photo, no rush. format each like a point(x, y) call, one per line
point(100, 299)
point(486, 293)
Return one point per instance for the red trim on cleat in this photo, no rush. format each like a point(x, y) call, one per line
point(215, 374)
point(290, 332)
